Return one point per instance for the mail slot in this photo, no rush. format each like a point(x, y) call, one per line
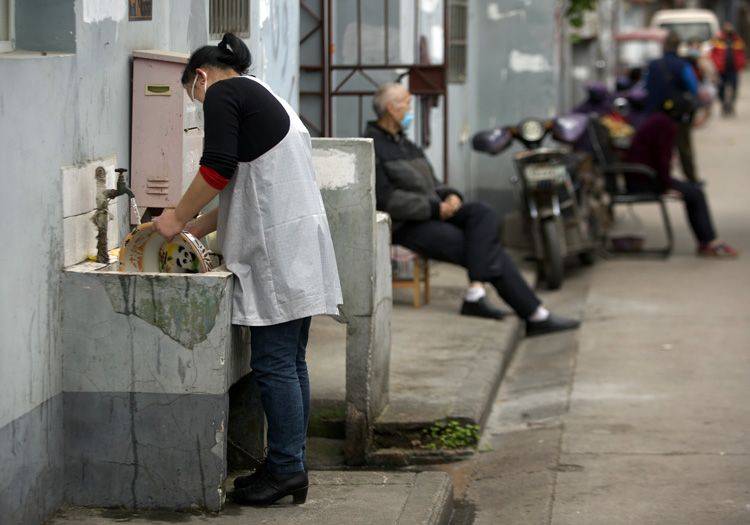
point(158, 90)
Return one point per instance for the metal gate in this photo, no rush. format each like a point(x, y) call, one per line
point(344, 57)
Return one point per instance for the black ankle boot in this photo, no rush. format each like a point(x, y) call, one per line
point(240, 482)
point(269, 488)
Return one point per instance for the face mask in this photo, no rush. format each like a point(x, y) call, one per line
point(192, 90)
point(407, 120)
point(694, 53)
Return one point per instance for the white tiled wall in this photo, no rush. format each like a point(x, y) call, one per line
point(79, 203)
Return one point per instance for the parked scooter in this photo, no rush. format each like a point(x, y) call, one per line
point(555, 200)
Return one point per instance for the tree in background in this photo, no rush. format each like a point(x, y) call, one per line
point(577, 9)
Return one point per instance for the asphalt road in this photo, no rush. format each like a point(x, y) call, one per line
point(642, 416)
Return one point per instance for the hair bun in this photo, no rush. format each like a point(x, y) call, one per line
point(224, 45)
point(230, 53)
point(234, 53)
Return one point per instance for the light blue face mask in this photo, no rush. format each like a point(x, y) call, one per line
point(407, 120)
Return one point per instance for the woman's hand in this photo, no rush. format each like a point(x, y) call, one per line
point(168, 225)
point(198, 194)
point(204, 224)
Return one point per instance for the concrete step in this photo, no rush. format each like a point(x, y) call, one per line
point(351, 497)
point(443, 367)
point(451, 371)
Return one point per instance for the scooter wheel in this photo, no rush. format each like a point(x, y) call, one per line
point(553, 260)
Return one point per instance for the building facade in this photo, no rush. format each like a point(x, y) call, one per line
point(65, 105)
point(65, 102)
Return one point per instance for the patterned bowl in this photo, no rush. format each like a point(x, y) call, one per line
point(145, 250)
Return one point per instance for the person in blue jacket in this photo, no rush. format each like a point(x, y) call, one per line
point(672, 79)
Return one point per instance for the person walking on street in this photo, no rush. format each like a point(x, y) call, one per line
point(672, 81)
point(275, 239)
point(728, 55)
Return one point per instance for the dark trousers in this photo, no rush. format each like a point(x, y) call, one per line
point(471, 239)
point(699, 216)
point(685, 149)
point(728, 90)
point(277, 357)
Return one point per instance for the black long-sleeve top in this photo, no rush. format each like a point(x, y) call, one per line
point(243, 120)
point(406, 187)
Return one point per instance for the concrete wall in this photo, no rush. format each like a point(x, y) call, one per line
point(68, 110)
point(526, 73)
point(346, 176)
point(514, 73)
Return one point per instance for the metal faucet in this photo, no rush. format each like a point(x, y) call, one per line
point(122, 188)
point(101, 216)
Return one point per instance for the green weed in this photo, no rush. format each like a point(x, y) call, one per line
point(451, 435)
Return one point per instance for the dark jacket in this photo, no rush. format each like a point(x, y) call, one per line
point(405, 185)
point(667, 76)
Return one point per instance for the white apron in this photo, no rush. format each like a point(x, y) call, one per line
point(274, 235)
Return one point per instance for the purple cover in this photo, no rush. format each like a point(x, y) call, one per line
point(569, 128)
point(492, 141)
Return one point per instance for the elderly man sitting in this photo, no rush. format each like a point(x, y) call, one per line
point(434, 220)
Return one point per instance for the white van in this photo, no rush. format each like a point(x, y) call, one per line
point(689, 24)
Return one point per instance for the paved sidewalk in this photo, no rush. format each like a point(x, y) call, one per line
point(356, 498)
point(643, 416)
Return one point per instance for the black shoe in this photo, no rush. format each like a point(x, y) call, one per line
point(268, 488)
point(482, 308)
point(240, 482)
point(552, 324)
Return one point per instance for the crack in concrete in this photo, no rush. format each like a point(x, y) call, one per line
point(187, 317)
point(133, 408)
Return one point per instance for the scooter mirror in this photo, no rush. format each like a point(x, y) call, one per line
point(570, 128)
point(622, 105)
point(492, 141)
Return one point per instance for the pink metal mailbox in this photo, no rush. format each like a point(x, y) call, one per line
point(167, 130)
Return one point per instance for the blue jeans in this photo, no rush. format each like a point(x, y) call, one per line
point(277, 357)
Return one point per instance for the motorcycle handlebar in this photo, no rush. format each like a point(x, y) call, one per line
point(567, 129)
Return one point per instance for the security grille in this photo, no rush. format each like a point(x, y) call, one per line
point(229, 16)
point(458, 18)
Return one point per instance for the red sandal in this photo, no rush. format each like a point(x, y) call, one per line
point(721, 250)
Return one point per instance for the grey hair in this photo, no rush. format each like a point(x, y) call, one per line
point(382, 98)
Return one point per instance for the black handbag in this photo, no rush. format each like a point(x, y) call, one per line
point(679, 104)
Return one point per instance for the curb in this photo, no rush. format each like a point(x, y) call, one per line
point(430, 501)
point(481, 387)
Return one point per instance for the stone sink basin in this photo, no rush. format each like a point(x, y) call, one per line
point(148, 361)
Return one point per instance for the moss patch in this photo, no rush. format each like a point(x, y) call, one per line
point(184, 307)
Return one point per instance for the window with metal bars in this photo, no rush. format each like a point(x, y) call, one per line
point(229, 16)
point(458, 19)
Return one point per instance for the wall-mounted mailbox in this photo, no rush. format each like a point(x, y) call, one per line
point(167, 130)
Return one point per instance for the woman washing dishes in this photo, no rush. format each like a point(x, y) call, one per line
point(275, 239)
